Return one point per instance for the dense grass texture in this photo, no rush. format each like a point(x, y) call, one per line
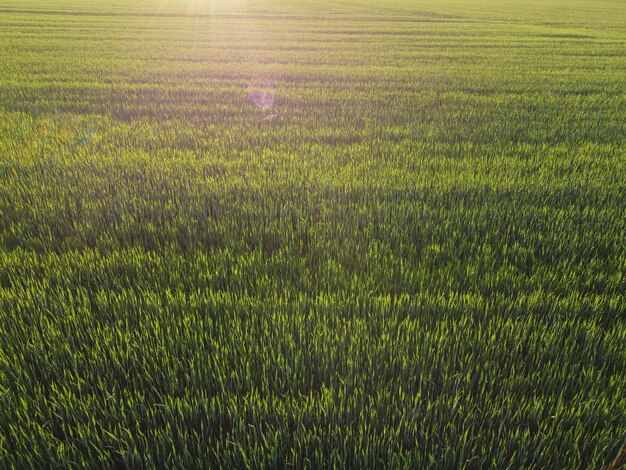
point(412, 255)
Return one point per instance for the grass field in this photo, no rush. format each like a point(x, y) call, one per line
point(416, 257)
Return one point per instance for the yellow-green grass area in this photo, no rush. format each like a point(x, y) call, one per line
point(416, 258)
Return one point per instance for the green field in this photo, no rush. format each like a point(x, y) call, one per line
point(415, 258)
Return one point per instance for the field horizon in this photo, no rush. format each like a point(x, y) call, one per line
point(312, 234)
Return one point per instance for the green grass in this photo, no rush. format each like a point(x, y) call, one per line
point(420, 262)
